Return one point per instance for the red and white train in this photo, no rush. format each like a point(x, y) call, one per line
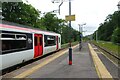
point(21, 44)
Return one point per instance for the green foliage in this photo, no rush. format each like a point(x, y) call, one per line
point(108, 46)
point(66, 45)
point(21, 13)
point(86, 38)
point(69, 35)
point(0, 4)
point(52, 23)
point(116, 35)
point(65, 36)
point(107, 28)
point(25, 14)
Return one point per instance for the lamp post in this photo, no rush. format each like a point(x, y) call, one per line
point(59, 7)
point(97, 36)
point(56, 1)
point(70, 49)
point(80, 35)
point(118, 6)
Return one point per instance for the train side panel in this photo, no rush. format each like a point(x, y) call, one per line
point(16, 58)
point(18, 44)
point(50, 43)
point(49, 49)
point(17, 47)
point(59, 41)
point(1, 62)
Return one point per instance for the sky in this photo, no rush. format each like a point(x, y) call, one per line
point(91, 12)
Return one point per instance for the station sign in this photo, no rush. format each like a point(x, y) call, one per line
point(70, 18)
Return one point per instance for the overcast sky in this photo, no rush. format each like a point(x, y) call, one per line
point(91, 12)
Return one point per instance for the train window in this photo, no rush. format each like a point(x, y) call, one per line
point(0, 47)
point(12, 42)
point(15, 41)
point(8, 36)
point(40, 40)
point(35, 41)
point(49, 40)
point(21, 37)
point(59, 39)
point(8, 45)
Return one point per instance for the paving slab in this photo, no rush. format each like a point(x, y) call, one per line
point(82, 67)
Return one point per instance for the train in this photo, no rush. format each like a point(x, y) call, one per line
point(22, 43)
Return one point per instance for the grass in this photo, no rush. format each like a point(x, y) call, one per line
point(109, 46)
point(115, 49)
point(67, 44)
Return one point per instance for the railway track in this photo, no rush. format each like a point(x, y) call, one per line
point(110, 53)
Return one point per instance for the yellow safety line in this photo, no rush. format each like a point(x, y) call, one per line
point(35, 68)
point(100, 68)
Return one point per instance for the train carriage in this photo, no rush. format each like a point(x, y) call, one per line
point(22, 43)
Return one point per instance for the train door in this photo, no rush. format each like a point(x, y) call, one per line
point(57, 42)
point(38, 45)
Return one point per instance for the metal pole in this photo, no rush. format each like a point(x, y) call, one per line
point(70, 49)
point(53, 1)
point(59, 7)
point(118, 6)
point(69, 15)
point(79, 37)
point(96, 37)
point(69, 12)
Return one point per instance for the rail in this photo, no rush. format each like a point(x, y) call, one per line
point(117, 57)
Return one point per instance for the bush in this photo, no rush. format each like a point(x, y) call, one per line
point(116, 35)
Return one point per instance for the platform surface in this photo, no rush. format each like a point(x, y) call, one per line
point(82, 66)
point(57, 66)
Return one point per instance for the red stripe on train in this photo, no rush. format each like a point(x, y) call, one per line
point(15, 27)
point(19, 28)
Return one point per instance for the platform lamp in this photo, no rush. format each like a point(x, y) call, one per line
point(118, 6)
point(80, 35)
point(57, 1)
point(70, 49)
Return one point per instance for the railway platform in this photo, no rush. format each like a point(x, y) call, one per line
point(85, 64)
point(82, 67)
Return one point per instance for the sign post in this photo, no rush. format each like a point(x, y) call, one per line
point(70, 18)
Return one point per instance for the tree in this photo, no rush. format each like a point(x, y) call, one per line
point(69, 34)
point(0, 4)
point(25, 14)
point(106, 29)
point(52, 23)
point(116, 35)
point(21, 13)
